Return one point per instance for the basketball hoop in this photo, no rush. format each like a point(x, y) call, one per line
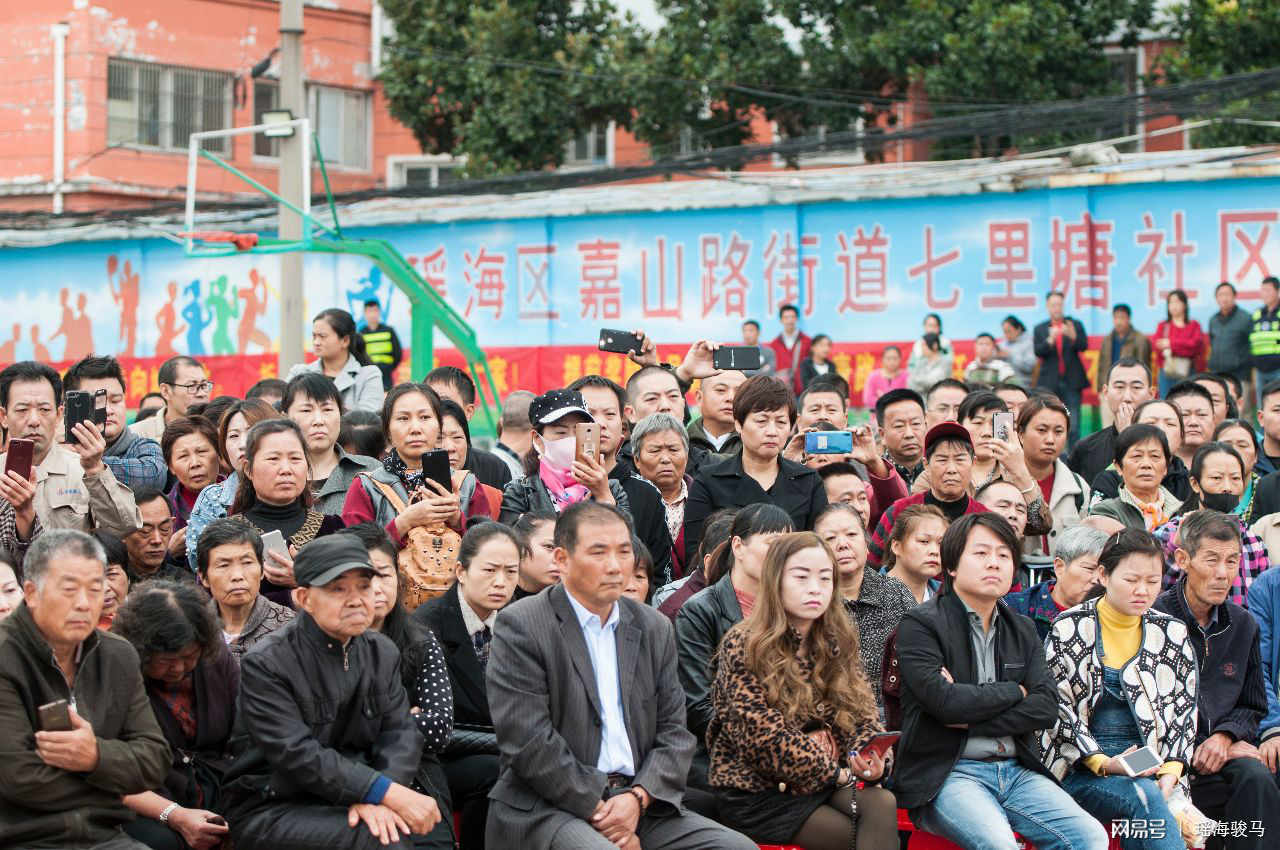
point(241, 241)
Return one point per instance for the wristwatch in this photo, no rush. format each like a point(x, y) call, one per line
point(635, 791)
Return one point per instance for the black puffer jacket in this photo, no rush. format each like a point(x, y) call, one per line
point(317, 722)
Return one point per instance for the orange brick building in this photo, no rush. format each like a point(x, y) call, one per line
point(140, 76)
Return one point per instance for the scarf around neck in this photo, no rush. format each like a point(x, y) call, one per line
point(563, 488)
point(126, 439)
point(412, 479)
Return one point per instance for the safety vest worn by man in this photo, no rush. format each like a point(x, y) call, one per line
point(1264, 339)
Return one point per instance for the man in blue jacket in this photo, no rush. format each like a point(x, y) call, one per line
point(1229, 781)
point(1264, 605)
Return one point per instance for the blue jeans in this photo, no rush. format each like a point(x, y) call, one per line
point(1119, 798)
point(982, 803)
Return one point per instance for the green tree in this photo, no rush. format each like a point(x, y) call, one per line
point(507, 83)
point(713, 67)
point(966, 55)
point(1218, 38)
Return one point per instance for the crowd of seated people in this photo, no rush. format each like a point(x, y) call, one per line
point(324, 616)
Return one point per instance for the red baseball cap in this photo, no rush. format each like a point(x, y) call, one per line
point(946, 431)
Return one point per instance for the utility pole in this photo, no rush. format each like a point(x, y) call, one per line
point(293, 184)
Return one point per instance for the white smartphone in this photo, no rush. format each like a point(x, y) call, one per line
point(273, 541)
point(1140, 761)
point(1002, 426)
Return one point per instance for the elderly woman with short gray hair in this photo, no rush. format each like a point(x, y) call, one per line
point(1076, 576)
point(660, 446)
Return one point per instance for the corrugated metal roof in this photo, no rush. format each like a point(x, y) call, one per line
point(720, 190)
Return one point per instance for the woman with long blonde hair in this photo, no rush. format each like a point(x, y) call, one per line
point(794, 712)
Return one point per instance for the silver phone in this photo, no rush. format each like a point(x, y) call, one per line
point(1140, 761)
point(273, 541)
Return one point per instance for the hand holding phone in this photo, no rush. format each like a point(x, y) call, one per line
point(273, 541)
point(1002, 427)
point(20, 457)
point(55, 716)
point(739, 357)
point(828, 442)
point(1139, 761)
point(587, 435)
point(621, 342)
point(880, 744)
point(77, 409)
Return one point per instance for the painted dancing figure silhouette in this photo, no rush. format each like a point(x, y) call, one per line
point(9, 350)
point(127, 297)
point(197, 320)
point(67, 327)
point(42, 354)
point(167, 322)
point(79, 332)
point(223, 308)
point(254, 305)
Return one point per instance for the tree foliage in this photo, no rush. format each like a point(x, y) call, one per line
point(712, 68)
point(507, 83)
point(966, 55)
point(1219, 38)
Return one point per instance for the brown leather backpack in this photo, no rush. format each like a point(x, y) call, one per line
point(427, 563)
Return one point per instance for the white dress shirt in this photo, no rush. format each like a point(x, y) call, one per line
point(602, 646)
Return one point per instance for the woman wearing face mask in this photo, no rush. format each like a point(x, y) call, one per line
point(191, 683)
point(733, 583)
point(792, 714)
point(912, 554)
point(273, 496)
point(1217, 482)
point(1126, 676)
point(423, 673)
point(1240, 436)
point(411, 416)
point(1177, 478)
point(538, 569)
point(215, 500)
point(875, 601)
point(340, 355)
point(554, 476)
point(314, 403)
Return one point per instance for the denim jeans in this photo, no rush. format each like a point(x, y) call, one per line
point(1119, 798)
point(981, 804)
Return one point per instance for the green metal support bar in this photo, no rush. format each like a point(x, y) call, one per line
point(428, 309)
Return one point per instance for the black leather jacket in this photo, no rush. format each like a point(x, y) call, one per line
point(318, 722)
point(700, 624)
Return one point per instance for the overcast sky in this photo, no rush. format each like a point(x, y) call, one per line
point(644, 10)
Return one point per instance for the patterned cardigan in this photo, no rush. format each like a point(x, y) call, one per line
point(1161, 683)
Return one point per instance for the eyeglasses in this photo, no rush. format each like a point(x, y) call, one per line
point(195, 387)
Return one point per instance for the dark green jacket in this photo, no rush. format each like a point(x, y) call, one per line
point(43, 806)
point(698, 437)
point(1122, 512)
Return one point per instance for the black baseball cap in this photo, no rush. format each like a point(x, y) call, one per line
point(323, 560)
point(554, 405)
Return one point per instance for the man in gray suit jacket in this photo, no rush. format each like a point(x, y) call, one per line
point(589, 713)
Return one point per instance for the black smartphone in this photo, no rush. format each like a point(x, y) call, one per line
point(435, 466)
point(620, 342)
point(741, 357)
point(55, 716)
point(20, 457)
point(78, 408)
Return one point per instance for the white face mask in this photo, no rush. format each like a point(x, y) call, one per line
point(560, 453)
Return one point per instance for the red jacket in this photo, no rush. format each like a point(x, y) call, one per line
point(789, 360)
point(1185, 341)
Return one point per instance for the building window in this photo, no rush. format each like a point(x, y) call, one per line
point(265, 95)
point(425, 170)
point(591, 148)
point(340, 119)
point(160, 106)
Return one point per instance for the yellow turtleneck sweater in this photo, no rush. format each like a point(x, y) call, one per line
point(1121, 640)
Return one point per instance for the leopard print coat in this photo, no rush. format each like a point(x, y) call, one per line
point(752, 746)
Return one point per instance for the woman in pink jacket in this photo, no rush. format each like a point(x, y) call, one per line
point(890, 376)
